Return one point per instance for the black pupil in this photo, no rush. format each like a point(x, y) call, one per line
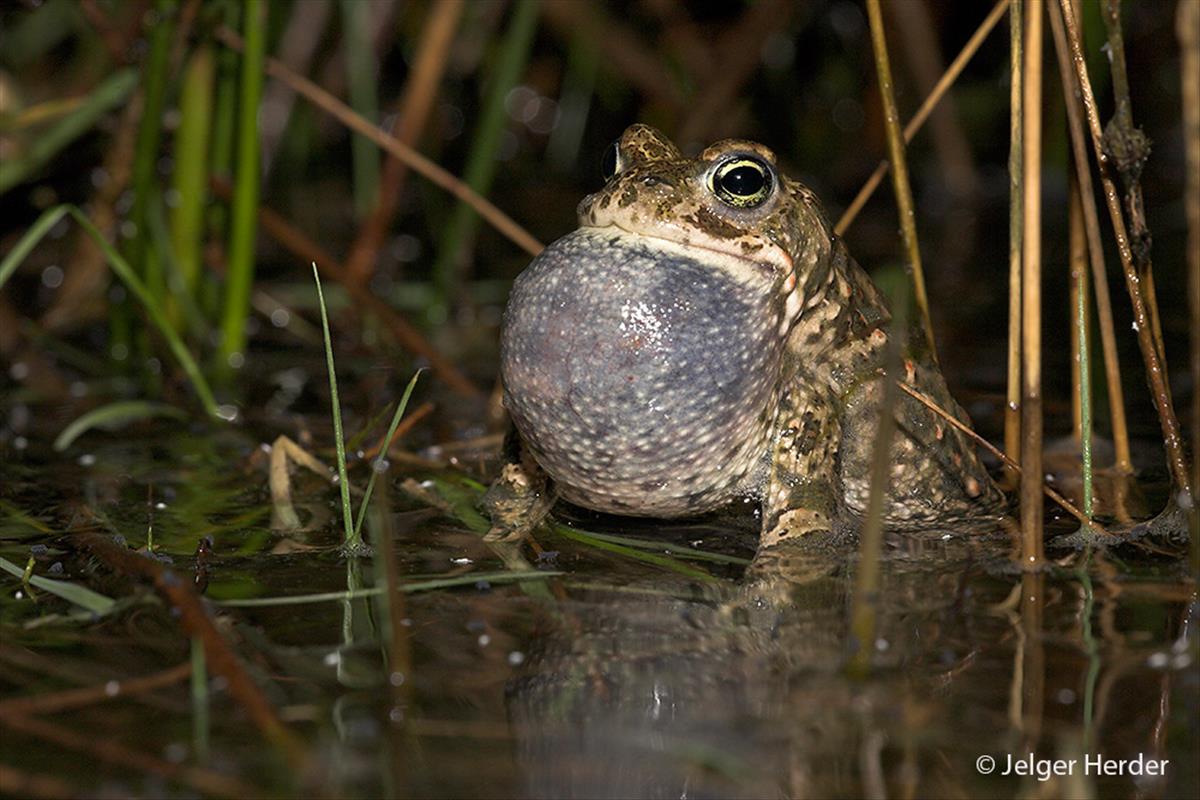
point(743, 181)
point(608, 164)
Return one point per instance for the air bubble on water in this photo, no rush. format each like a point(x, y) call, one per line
point(461, 560)
point(1157, 660)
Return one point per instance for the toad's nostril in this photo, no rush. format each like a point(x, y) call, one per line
point(656, 180)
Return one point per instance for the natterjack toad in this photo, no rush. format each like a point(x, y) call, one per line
point(703, 337)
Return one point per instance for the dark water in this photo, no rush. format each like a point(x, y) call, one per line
point(603, 675)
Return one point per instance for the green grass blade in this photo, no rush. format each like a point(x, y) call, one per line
point(381, 459)
point(81, 596)
point(26, 243)
point(113, 416)
point(125, 272)
point(353, 542)
point(683, 551)
point(470, 579)
point(583, 537)
point(239, 276)
point(102, 99)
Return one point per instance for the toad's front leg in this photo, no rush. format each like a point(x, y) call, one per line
point(519, 499)
point(802, 496)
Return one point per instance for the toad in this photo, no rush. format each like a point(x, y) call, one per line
point(703, 339)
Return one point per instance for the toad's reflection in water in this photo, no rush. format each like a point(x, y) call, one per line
point(640, 693)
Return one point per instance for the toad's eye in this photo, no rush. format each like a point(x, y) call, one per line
point(742, 181)
point(610, 162)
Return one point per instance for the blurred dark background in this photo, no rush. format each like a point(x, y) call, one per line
point(797, 76)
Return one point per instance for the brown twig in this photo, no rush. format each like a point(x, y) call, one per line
point(1095, 249)
point(1031, 291)
point(195, 620)
point(1172, 440)
point(420, 89)
point(1066, 504)
point(904, 201)
point(67, 699)
point(1012, 408)
point(417, 162)
point(411, 339)
point(103, 748)
point(910, 130)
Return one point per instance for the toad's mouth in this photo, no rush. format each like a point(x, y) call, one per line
point(734, 254)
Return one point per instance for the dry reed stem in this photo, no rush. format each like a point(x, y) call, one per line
point(1095, 249)
point(954, 422)
point(106, 749)
point(417, 162)
point(1172, 440)
point(1012, 406)
point(910, 130)
point(1188, 31)
point(408, 337)
point(195, 621)
point(1129, 149)
point(69, 699)
point(903, 191)
point(1032, 507)
point(416, 102)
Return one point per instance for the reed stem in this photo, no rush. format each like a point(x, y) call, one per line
point(918, 119)
point(1188, 31)
point(1122, 463)
point(1081, 384)
point(1031, 294)
point(1160, 392)
point(1012, 406)
point(244, 209)
point(900, 183)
